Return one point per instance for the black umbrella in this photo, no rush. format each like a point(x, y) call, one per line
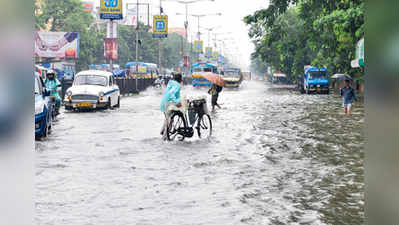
point(342, 76)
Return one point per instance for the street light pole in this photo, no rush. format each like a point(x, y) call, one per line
point(187, 54)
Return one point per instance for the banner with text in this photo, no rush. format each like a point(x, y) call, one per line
point(198, 46)
point(160, 27)
point(111, 48)
point(111, 9)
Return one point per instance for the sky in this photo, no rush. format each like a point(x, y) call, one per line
point(231, 21)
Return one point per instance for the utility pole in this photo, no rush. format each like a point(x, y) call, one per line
point(160, 42)
point(137, 46)
point(111, 64)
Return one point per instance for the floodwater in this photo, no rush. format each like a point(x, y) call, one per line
point(276, 157)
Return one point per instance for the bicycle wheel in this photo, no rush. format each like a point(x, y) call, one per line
point(204, 127)
point(176, 125)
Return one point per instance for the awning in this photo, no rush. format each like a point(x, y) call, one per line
point(359, 61)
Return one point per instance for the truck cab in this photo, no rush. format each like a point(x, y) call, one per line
point(314, 80)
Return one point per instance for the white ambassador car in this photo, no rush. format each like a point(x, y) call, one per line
point(92, 89)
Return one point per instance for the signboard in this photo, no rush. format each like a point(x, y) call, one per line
point(208, 52)
point(110, 48)
point(88, 5)
point(198, 46)
point(160, 27)
point(141, 69)
point(215, 56)
point(111, 9)
point(57, 44)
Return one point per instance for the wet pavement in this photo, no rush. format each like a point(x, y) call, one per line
point(276, 157)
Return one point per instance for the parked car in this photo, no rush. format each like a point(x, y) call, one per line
point(43, 109)
point(92, 89)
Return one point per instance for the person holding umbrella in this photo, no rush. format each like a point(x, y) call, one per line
point(217, 87)
point(349, 97)
point(214, 91)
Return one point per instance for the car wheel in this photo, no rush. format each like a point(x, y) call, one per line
point(119, 102)
point(45, 130)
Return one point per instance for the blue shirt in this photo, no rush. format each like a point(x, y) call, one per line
point(348, 94)
point(172, 94)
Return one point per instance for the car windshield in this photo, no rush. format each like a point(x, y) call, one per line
point(317, 74)
point(231, 74)
point(90, 80)
point(37, 87)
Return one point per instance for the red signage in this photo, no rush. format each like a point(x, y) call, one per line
point(186, 61)
point(110, 48)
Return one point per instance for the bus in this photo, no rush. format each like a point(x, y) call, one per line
point(145, 70)
point(232, 77)
point(198, 70)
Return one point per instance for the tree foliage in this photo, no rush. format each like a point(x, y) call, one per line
point(293, 33)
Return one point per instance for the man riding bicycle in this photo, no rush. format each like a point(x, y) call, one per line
point(172, 94)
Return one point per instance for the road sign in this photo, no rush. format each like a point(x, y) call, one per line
point(160, 27)
point(198, 46)
point(111, 9)
point(208, 52)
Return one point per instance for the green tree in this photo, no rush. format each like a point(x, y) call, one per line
point(321, 33)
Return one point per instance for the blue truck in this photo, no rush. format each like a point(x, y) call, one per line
point(314, 80)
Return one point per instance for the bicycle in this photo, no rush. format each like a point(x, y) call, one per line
point(184, 120)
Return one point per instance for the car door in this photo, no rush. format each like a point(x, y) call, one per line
point(115, 90)
point(110, 89)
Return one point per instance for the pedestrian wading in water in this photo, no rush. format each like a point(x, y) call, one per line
point(349, 97)
point(214, 91)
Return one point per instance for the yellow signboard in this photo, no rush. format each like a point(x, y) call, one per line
point(198, 46)
point(111, 9)
point(215, 56)
point(142, 69)
point(208, 52)
point(160, 27)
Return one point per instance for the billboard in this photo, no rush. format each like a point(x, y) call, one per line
point(111, 9)
point(198, 46)
point(57, 45)
point(160, 27)
point(131, 15)
point(110, 48)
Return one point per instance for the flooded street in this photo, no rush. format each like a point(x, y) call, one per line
point(276, 157)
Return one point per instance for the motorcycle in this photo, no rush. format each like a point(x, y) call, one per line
point(53, 100)
point(158, 84)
